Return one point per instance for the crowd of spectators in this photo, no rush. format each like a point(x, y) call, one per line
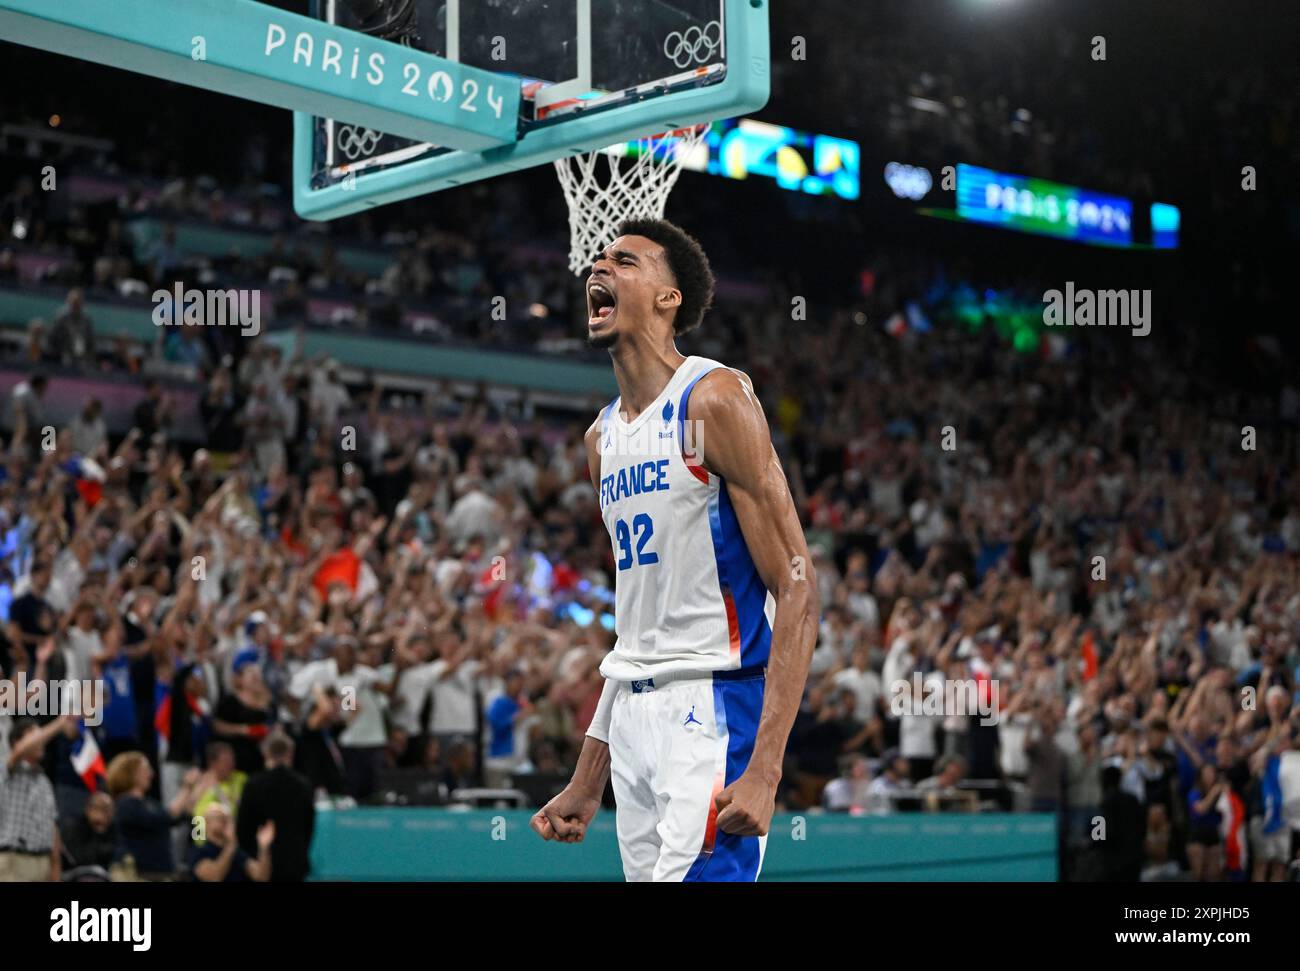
point(420, 597)
point(431, 282)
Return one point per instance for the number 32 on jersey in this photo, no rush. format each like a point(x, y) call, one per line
point(632, 541)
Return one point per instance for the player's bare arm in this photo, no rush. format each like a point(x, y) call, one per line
point(565, 817)
point(737, 446)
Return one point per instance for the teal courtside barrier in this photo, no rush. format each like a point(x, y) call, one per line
point(412, 357)
point(438, 844)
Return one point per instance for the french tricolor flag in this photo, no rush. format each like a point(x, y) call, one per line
point(1232, 824)
point(86, 758)
point(89, 478)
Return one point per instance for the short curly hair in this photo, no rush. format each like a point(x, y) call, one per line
point(122, 772)
point(688, 264)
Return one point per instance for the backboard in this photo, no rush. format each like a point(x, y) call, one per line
point(584, 74)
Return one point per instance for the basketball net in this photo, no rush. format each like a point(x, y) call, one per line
point(606, 187)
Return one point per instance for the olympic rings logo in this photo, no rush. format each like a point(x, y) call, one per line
point(357, 142)
point(694, 45)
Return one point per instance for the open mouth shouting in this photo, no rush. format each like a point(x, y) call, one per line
point(601, 303)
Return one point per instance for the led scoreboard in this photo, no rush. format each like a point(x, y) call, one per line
point(820, 165)
point(1046, 208)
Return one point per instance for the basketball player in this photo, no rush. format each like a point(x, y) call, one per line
point(716, 605)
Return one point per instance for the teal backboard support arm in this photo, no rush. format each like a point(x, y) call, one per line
point(255, 51)
point(743, 90)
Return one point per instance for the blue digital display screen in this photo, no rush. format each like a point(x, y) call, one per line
point(1045, 208)
point(819, 165)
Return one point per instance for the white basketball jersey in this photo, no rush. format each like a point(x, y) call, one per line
point(687, 596)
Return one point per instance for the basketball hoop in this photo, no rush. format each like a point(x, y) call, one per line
point(632, 182)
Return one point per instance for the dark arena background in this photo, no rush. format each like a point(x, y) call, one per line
point(1015, 284)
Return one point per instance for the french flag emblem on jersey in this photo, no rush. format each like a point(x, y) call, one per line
point(86, 758)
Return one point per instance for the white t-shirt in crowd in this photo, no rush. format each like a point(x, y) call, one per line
point(413, 686)
point(328, 398)
point(473, 514)
point(824, 657)
point(453, 698)
point(845, 794)
point(1013, 732)
point(1288, 774)
point(66, 577)
point(916, 731)
point(366, 729)
point(863, 606)
point(878, 801)
point(887, 496)
point(323, 673)
point(898, 663)
point(88, 435)
point(866, 687)
point(79, 648)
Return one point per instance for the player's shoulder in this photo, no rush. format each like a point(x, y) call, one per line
point(592, 435)
point(719, 389)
